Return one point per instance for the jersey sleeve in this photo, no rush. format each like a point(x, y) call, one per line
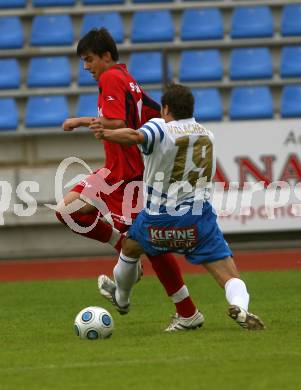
point(150, 108)
point(113, 97)
point(153, 135)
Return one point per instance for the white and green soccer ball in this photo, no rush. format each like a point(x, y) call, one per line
point(93, 323)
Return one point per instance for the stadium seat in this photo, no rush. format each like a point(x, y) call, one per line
point(10, 75)
point(11, 33)
point(52, 3)
point(52, 30)
point(152, 1)
point(8, 114)
point(204, 23)
point(102, 2)
point(84, 77)
point(252, 22)
point(49, 72)
point(12, 3)
point(110, 20)
point(146, 67)
point(159, 25)
point(291, 101)
point(87, 105)
point(290, 21)
point(290, 62)
point(250, 63)
point(46, 111)
point(200, 65)
point(208, 104)
point(155, 94)
point(251, 103)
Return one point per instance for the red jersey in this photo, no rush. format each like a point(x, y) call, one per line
point(120, 97)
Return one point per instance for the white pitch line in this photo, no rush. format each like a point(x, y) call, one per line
point(99, 364)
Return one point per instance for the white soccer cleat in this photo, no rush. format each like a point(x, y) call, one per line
point(245, 319)
point(107, 289)
point(179, 323)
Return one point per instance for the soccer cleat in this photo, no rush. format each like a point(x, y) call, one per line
point(245, 319)
point(179, 323)
point(107, 289)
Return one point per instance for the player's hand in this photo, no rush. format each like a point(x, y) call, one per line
point(97, 128)
point(70, 124)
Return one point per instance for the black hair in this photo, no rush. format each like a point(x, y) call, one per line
point(179, 100)
point(98, 42)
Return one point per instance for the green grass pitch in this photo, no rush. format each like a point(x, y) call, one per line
point(39, 349)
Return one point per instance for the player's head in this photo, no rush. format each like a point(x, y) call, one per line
point(177, 103)
point(98, 50)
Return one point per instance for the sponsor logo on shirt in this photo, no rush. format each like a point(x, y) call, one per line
point(109, 98)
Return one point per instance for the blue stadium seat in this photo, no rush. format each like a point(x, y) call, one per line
point(11, 33)
point(155, 94)
point(87, 105)
point(250, 63)
point(251, 103)
point(84, 77)
point(10, 75)
point(52, 3)
point(290, 21)
point(152, 26)
point(146, 67)
point(49, 72)
point(208, 104)
point(13, 3)
point(200, 65)
point(110, 20)
point(152, 1)
point(102, 2)
point(52, 30)
point(252, 22)
point(290, 62)
point(8, 114)
point(291, 101)
point(46, 111)
point(204, 23)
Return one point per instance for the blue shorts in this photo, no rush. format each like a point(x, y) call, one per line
point(198, 237)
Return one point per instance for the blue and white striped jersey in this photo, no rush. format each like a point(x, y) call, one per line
point(179, 161)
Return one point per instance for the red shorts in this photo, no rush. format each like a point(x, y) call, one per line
point(119, 203)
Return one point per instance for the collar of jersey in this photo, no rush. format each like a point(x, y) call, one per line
point(183, 121)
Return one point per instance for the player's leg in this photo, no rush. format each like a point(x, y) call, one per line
point(170, 276)
point(226, 274)
point(73, 208)
point(126, 274)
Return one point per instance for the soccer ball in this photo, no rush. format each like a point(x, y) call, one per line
point(93, 323)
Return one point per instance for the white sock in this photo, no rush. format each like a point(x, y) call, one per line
point(115, 236)
point(236, 293)
point(180, 295)
point(125, 274)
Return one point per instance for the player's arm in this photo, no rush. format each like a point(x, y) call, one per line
point(73, 123)
point(107, 123)
point(124, 136)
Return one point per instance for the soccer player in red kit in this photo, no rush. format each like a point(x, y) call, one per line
point(121, 103)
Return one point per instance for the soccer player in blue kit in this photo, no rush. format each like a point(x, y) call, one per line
point(179, 159)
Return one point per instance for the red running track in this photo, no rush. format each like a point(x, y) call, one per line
point(45, 269)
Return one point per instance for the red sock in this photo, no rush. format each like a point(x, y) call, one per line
point(186, 308)
point(101, 232)
point(169, 274)
point(168, 271)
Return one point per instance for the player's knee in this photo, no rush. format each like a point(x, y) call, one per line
point(130, 248)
